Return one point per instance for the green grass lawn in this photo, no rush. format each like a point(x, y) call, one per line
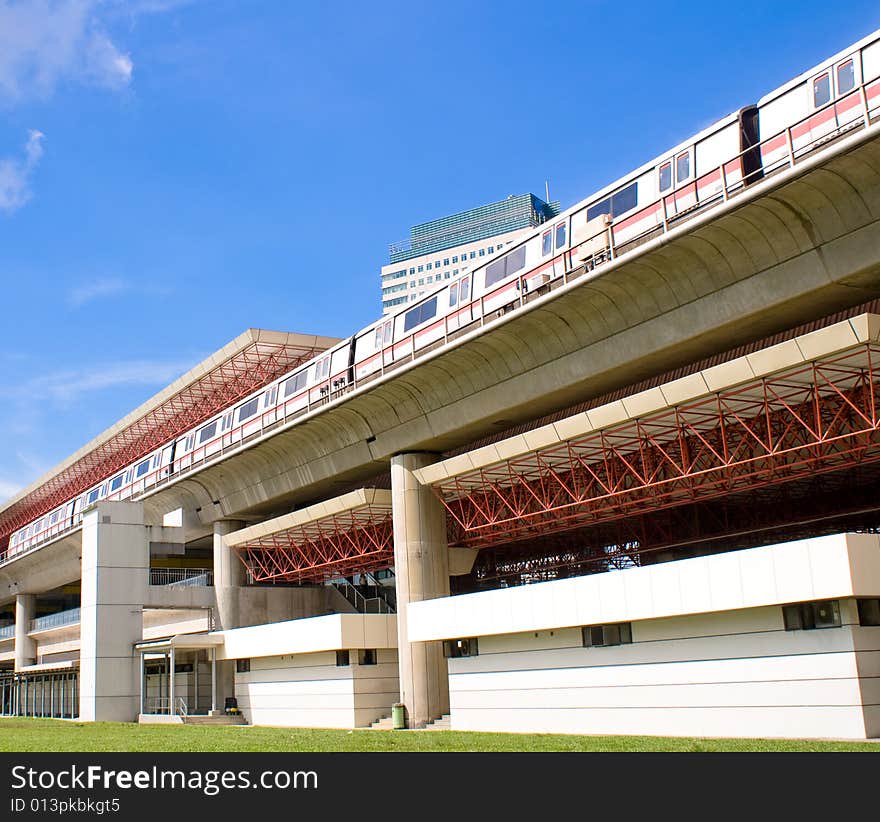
point(57, 735)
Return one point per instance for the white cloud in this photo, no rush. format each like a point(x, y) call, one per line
point(66, 386)
point(15, 173)
point(96, 290)
point(43, 42)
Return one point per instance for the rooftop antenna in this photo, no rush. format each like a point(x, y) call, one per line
point(547, 190)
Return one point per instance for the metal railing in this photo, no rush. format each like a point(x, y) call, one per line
point(7, 631)
point(363, 604)
point(182, 577)
point(57, 620)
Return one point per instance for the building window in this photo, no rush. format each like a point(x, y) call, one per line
point(367, 656)
point(242, 666)
point(473, 254)
point(412, 271)
point(455, 259)
point(446, 261)
point(869, 612)
point(343, 659)
point(421, 280)
point(805, 616)
point(421, 269)
point(619, 633)
point(456, 648)
point(446, 275)
point(491, 249)
point(482, 252)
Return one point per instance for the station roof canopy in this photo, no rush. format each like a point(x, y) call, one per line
point(348, 534)
point(250, 361)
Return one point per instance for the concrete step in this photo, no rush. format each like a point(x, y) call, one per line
point(383, 724)
point(236, 719)
point(442, 724)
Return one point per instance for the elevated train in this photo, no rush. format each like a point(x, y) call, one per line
point(705, 170)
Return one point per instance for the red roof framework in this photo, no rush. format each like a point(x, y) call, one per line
point(346, 535)
point(810, 419)
point(249, 362)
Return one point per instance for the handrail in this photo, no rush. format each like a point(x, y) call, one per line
point(181, 708)
point(56, 620)
point(182, 577)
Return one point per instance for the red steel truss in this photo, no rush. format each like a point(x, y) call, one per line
point(804, 421)
point(352, 542)
point(249, 368)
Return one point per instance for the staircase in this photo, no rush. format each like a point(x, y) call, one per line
point(383, 724)
point(442, 724)
point(368, 593)
point(223, 719)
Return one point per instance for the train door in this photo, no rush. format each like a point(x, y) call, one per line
point(837, 81)
point(460, 310)
point(560, 243)
point(383, 342)
point(675, 182)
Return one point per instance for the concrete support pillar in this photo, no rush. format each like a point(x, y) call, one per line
point(115, 576)
point(229, 576)
point(421, 569)
point(25, 647)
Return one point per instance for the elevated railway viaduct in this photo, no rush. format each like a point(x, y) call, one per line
point(713, 388)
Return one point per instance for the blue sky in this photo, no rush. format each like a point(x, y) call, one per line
point(173, 172)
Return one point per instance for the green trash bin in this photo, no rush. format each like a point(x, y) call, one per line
point(398, 716)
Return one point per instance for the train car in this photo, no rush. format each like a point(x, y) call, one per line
point(820, 104)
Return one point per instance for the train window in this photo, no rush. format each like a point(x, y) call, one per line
point(227, 420)
point(617, 204)
point(377, 342)
point(464, 288)
point(207, 432)
point(665, 176)
point(37, 526)
point(506, 266)
point(846, 76)
point(682, 167)
point(248, 409)
point(495, 272)
point(54, 518)
point(453, 295)
point(546, 244)
point(560, 236)
point(270, 397)
point(389, 326)
point(142, 468)
point(322, 369)
point(93, 495)
point(821, 90)
point(116, 483)
point(420, 314)
point(296, 383)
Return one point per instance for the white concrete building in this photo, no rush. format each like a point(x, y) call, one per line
point(447, 247)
